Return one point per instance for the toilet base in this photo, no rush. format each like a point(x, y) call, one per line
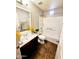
point(41, 41)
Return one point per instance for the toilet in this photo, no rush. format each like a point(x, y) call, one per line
point(41, 39)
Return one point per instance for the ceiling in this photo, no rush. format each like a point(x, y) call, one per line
point(48, 4)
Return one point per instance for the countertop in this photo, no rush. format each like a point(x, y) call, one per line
point(25, 38)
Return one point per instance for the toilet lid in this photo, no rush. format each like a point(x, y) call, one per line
point(42, 37)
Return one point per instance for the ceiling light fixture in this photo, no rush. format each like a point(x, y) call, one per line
point(26, 2)
point(51, 13)
point(40, 3)
point(18, 0)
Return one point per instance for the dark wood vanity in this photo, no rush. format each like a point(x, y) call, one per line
point(28, 49)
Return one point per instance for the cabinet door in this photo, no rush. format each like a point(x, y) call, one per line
point(28, 49)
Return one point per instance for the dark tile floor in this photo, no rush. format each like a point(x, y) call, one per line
point(45, 51)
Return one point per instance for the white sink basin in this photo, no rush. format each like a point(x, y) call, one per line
point(26, 36)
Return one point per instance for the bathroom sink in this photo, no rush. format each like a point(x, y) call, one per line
point(26, 36)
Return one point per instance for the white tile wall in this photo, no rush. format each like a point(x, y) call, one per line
point(52, 27)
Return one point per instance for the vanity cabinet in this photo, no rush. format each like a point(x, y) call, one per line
point(28, 49)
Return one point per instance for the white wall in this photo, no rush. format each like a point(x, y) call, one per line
point(57, 12)
point(59, 52)
point(40, 24)
point(36, 12)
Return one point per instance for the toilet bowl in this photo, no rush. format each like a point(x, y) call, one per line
point(41, 39)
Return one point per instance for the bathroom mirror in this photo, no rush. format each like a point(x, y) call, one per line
point(23, 18)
